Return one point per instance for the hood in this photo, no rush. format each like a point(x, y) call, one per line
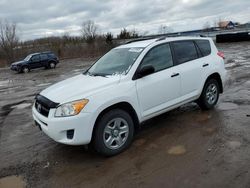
point(18, 62)
point(78, 87)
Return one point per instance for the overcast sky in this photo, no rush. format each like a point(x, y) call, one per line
point(55, 17)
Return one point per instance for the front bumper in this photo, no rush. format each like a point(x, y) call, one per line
point(14, 68)
point(56, 128)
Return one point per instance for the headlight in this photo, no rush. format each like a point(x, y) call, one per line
point(71, 108)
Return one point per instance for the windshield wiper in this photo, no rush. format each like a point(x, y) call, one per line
point(95, 74)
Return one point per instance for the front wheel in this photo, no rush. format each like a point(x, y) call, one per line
point(25, 69)
point(210, 95)
point(114, 132)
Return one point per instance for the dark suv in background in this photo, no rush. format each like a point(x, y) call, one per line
point(36, 60)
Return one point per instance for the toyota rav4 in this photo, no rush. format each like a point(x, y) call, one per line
point(127, 86)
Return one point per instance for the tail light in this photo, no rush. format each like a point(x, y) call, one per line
point(221, 54)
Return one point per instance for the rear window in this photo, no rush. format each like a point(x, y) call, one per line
point(184, 51)
point(204, 46)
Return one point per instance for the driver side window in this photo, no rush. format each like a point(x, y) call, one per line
point(35, 58)
point(159, 57)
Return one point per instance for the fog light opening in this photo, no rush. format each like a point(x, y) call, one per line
point(70, 133)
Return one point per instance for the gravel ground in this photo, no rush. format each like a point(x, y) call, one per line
point(182, 148)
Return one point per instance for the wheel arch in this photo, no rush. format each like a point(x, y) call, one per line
point(51, 60)
point(217, 77)
point(25, 65)
point(123, 106)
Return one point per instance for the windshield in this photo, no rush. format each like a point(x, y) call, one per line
point(27, 58)
point(116, 61)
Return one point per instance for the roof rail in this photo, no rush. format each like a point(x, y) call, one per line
point(161, 38)
point(203, 36)
point(139, 39)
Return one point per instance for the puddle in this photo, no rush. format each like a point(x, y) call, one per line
point(4, 83)
point(12, 182)
point(77, 70)
point(234, 144)
point(227, 106)
point(203, 117)
point(139, 142)
point(177, 150)
point(209, 131)
point(44, 84)
point(22, 105)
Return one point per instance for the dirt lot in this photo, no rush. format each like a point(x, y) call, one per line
point(183, 148)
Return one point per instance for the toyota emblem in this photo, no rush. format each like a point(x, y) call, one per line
point(39, 107)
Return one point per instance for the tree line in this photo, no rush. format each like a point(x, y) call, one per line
point(90, 43)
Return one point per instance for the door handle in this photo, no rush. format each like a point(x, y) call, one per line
point(205, 65)
point(175, 74)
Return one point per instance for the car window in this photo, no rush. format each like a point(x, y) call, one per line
point(159, 57)
point(35, 58)
point(116, 61)
point(184, 51)
point(204, 46)
point(43, 57)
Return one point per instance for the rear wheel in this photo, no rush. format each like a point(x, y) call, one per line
point(25, 69)
point(52, 65)
point(210, 95)
point(113, 133)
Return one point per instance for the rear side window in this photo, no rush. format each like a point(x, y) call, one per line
point(204, 46)
point(43, 57)
point(184, 51)
point(159, 57)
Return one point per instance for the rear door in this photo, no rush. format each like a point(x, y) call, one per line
point(206, 59)
point(186, 57)
point(160, 89)
point(44, 59)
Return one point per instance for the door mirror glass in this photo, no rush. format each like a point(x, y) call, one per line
point(146, 70)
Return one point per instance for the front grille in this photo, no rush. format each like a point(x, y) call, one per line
point(43, 105)
point(42, 109)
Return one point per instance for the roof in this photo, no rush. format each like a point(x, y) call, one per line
point(144, 43)
point(141, 44)
point(37, 53)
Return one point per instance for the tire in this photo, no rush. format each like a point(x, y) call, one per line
point(52, 65)
point(25, 69)
point(110, 136)
point(210, 95)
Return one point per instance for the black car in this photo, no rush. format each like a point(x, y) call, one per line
point(36, 60)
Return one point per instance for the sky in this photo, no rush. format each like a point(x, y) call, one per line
point(36, 18)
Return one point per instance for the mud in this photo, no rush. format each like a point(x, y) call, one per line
point(12, 182)
point(186, 147)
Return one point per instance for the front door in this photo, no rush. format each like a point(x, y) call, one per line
point(160, 89)
point(35, 61)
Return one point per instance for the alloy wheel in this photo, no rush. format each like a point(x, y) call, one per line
point(115, 133)
point(211, 94)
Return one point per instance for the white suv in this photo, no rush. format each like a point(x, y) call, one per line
point(128, 85)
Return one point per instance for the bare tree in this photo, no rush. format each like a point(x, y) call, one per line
point(206, 26)
point(126, 34)
point(164, 29)
point(8, 39)
point(89, 31)
point(109, 38)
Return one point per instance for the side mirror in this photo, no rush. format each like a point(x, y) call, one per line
point(146, 70)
